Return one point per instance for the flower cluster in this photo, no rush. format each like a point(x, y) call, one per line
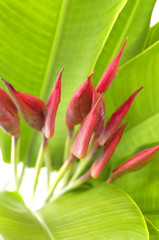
point(87, 108)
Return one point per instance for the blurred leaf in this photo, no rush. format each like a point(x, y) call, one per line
point(104, 212)
point(38, 39)
point(133, 22)
point(153, 35)
point(17, 222)
point(153, 230)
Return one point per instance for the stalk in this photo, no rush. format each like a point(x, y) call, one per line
point(48, 166)
point(15, 158)
point(68, 144)
point(84, 163)
point(74, 185)
point(38, 166)
point(61, 173)
point(26, 161)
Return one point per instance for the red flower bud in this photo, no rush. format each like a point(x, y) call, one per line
point(100, 120)
point(9, 119)
point(30, 107)
point(80, 104)
point(81, 142)
point(101, 116)
point(135, 163)
point(116, 119)
point(110, 73)
point(104, 157)
point(51, 107)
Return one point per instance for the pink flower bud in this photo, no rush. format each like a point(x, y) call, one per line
point(30, 107)
point(116, 119)
point(135, 163)
point(110, 73)
point(51, 107)
point(100, 120)
point(81, 142)
point(101, 116)
point(80, 104)
point(9, 119)
point(104, 157)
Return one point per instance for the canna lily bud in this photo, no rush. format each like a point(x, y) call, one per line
point(81, 142)
point(116, 119)
point(100, 120)
point(80, 104)
point(104, 157)
point(31, 108)
point(135, 163)
point(51, 107)
point(110, 73)
point(9, 119)
point(101, 116)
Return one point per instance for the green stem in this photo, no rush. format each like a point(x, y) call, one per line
point(21, 175)
point(74, 185)
point(15, 158)
point(61, 173)
point(38, 166)
point(111, 179)
point(84, 163)
point(26, 161)
point(68, 144)
point(48, 166)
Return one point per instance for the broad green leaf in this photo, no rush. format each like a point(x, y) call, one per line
point(133, 22)
point(104, 212)
point(153, 35)
point(18, 222)
point(38, 39)
point(153, 230)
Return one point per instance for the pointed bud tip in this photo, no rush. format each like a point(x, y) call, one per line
point(3, 80)
point(156, 148)
point(90, 76)
point(123, 126)
point(60, 74)
point(122, 48)
point(61, 71)
point(137, 91)
point(7, 84)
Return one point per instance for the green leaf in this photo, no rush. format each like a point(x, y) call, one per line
point(17, 222)
point(38, 39)
point(153, 230)
point(133, 22)
point(153, 35)
point(104, 212)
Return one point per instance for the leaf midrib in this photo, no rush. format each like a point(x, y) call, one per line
point(123, 33)
point(54, 47)
point(43, 224)
point(107, 36)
